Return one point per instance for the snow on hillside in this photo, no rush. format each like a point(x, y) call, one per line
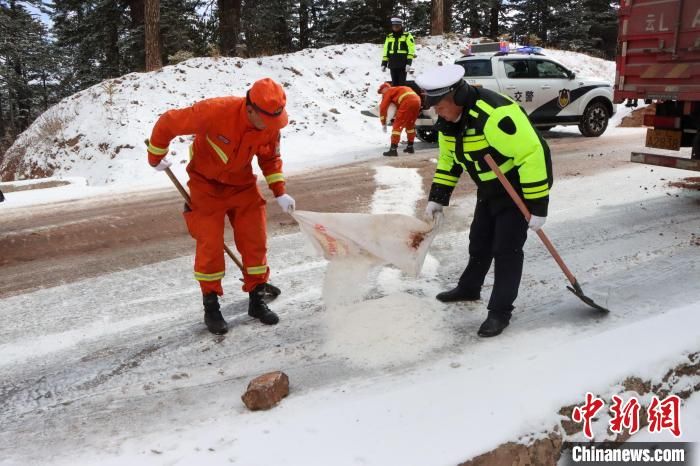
point(98, 133)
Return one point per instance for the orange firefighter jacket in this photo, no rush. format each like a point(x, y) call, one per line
point(396, 95)
point(224, 144)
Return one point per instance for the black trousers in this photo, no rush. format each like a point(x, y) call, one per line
point(497, 234)
point(398, 76)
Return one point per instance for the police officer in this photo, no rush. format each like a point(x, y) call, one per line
point(474, 122)
point(399, 51)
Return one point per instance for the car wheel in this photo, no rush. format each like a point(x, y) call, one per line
point(427, 134)
point(594, 120)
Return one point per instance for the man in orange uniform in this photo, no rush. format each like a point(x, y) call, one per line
point(408, 106)
point(228, 132)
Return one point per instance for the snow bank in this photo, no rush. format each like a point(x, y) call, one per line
point(98, 133)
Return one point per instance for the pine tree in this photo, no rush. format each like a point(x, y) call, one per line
point(570, 31)
point(92, 34)
point(602, 34)
point(28, 69)
point(416, 16)
point(471, 16)
point(267, 28)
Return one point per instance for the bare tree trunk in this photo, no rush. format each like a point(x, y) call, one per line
point(45, 94)
point(474, 22)
point(437, 17)
point(447, 17)
point(544, 20)
point(303, 24)
point(152, 35)
point(229, 26)
point(111, 50)
point(2, 119)
point(136, 12)
point(493, 18)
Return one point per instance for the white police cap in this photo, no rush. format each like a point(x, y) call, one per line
point(439, 81)
point(396, 20)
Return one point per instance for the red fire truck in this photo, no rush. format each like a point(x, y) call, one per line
point(658, 61)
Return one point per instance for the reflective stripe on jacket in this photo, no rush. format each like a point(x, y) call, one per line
point(399, 50)
point(498, 126)
point(396, 95)
point(224, 145)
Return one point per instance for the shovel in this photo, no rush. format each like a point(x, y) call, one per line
point(270, 291)
point(575, 288)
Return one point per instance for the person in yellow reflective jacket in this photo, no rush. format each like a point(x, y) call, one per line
point(474, 122)
point(399, 52)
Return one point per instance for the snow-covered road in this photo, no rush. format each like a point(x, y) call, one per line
point(120, 368)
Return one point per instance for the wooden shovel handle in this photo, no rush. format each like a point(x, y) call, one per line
point(523, 208)
point(186, 195)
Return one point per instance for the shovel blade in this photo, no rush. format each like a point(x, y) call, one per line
point(576, 289)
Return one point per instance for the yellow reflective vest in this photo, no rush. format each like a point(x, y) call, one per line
point(399, 50)
point(493, 124)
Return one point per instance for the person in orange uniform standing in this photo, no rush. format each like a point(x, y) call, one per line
point(408, 105)
point(228, 132)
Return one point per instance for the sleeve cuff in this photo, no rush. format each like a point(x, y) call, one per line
point(154, 160)
point(157, 150)
point(538, 206)
point(440, 193)
point(278, 188)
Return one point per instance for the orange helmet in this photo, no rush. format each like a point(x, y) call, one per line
point(268, 99)
point(383, 86)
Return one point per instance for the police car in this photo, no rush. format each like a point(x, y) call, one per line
point(549, 92)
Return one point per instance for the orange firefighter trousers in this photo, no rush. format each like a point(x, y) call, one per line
point(245, 210)
point(406, 118)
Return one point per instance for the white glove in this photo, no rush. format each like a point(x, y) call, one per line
point(536, 222)
point(163, 164)
point(432, 210)
point(384, 130)
point(287, 203)
point(383, 68)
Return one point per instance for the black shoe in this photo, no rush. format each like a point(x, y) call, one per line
point(212, 315)
point(458, 294)
point(493, 325)
point(258, 309)
point(409, 149)
point(392, 152)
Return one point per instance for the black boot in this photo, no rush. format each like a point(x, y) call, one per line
point(493, 325)
point(258, 309)
point(409, 148)
point(458, 294)
point(212, 315)
point(392, 151)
